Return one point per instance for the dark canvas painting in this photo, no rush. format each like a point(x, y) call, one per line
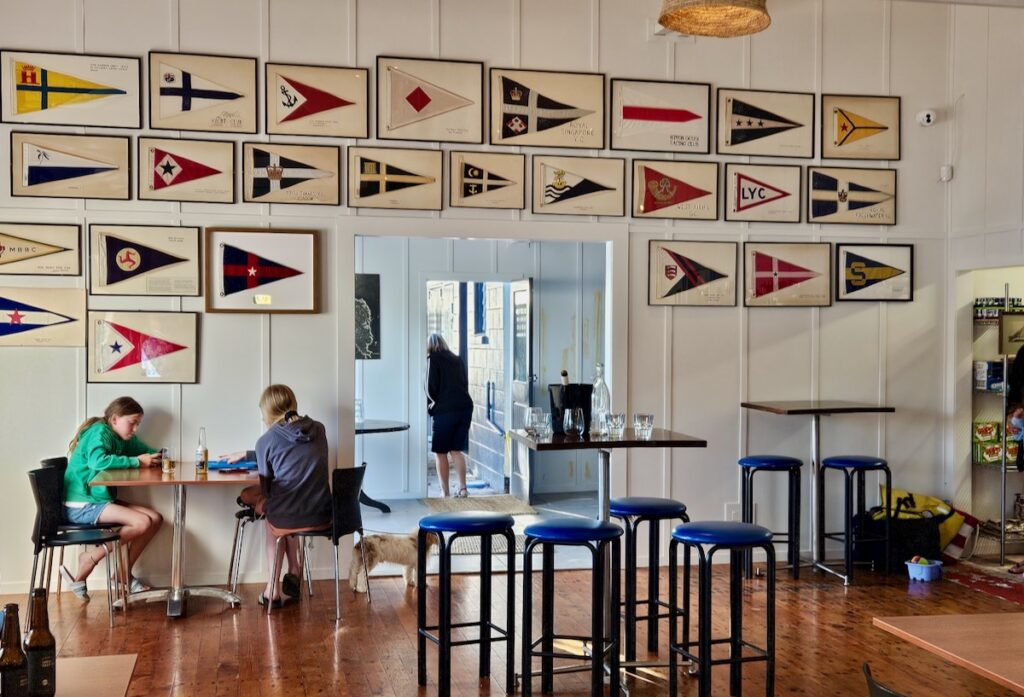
point(367, 316)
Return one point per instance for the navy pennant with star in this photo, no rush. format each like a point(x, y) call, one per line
point(693, 273)
point(128, 259)
point(17, 317)
point(748, 122)
point(861, 272)
point(244, 270)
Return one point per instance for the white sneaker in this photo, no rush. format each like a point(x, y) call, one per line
point(79, 588)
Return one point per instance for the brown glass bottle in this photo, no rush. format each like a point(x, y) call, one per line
point(40, 650)
point(13, 666)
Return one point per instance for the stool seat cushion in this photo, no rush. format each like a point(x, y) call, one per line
point(854, 462)
point(468, 522)
point(647, 506)
point(722, 532)
point(770, 462)
point(570, 530)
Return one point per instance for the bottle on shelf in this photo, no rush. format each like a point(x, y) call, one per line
point(600, 403)
point(40, 650)
point(13, 665)
point(202, 455)
point(565, 378)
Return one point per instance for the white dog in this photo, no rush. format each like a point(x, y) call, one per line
point(394, 549)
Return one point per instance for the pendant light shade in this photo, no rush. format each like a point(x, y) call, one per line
point(721, 18)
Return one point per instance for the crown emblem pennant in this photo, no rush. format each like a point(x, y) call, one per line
point(772, 274)
point(413, 99)
point(860, 272)
point(380, 177)
point(17, 317)
point(561, 185)
point(748, 122)
point(297, 100)
point(38, 89)
point(527, 111)
point(692, 274)
point(832, 194)
point(272, 172)
point(662, 191)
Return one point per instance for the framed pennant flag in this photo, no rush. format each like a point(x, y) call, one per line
point(316, 100)
point(771, 124)
point(546, 108)
point(262, 270)
point(275, 173)
point(186, 170)
point(661, 116)
point(671, 189)
point(70, 89)
point(579, 185)
point(856, 127)
point(691, 273)
point(851, 196)
point(394, 178)
point(762, 193)
point(193, 92)
point(487, 180)
point(875, 272)
point(143, 260)
point(55, 165)
point(42, 317)
point(425, 99)
point(784, 274)
point(143, 347)
point(40, 249)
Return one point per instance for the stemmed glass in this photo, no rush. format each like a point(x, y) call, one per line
point(573, 422)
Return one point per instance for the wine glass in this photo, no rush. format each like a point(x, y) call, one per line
point(573, 422)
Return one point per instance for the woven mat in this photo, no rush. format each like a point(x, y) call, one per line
point(502, 503)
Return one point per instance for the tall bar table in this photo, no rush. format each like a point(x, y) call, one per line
point(368, 426)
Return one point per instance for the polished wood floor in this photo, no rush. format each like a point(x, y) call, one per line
point(824, 633)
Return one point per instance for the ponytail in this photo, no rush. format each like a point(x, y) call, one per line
point(122, 406)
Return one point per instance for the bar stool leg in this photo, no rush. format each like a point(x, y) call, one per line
point(747, 513)
point(597, 620)
point(485, 606)
point(510, 615)
point(735, 622)
point(615, 628)
point(888, 519)
point(819, 534)
point(444, 628)
point(769, 678)
point(686, 597)
point(547, 618)
point(794, 522)
point(848, 537)
point(653, 582)
point(527, 652)
point(704, 621)
point(673, 619)
point(630, 527)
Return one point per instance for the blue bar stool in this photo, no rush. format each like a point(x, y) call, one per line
point(596, 536)
point(709, 537)
point(449, 527)
point(752, 464)
point(633, 510)
point(851, 465)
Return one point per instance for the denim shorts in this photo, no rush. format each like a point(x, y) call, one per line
point(89, 514)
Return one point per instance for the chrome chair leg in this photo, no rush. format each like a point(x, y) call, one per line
point(110, 594)
point(234, 552)
point(60, 563)
point(306, 565)
point(49, 570)
point(31, 587)
point(337, 585)
point(366, 572)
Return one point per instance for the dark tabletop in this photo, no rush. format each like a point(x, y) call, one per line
point(660, 438)
point(817, 406)
point(380, 426)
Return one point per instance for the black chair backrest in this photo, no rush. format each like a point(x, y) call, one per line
point(47, 486)
point(877, 689)
point(58, 462)
point(345, 487)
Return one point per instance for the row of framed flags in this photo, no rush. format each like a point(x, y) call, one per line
point(421, 99)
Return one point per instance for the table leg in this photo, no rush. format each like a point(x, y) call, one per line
point(177, 593)
point(604, 505)
point(367, 501)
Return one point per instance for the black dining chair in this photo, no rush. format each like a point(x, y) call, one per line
point(877, 689)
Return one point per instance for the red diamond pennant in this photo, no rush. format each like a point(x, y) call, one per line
point(418, 99)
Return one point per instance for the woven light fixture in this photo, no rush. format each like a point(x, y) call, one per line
point(721, 18)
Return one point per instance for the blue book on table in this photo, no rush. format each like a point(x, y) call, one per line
point(225, 465)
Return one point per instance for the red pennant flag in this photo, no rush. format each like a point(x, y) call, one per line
point(663, 191)
point(772, 274)
point(137, 347)
point(313, 100)
point(170, 169)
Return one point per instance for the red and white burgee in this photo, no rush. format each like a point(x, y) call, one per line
point(772, 274)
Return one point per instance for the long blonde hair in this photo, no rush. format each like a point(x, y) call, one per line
point(122, 406)
point(275, 403)
point(436, 344)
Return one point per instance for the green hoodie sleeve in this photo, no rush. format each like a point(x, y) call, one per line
point(135, 447)
point(100, 453)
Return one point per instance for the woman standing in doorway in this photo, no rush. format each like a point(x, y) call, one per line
point(451, 407)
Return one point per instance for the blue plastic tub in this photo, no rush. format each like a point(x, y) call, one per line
point(932, 571)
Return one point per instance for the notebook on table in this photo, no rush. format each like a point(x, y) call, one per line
point(225, 465)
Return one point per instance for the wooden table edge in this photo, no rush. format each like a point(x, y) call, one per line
point(810, 411)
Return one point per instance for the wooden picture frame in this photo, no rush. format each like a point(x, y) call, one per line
point(564, 185)
point(675, 189)
point(142, 347)
point(763, 193)
point(547, 108)
point(143, 260)
point(874, 272)
point(40, 249)
point(287, 173)
point(42, 317)
point(1011, 333)
point(395, 178)
point(430, 100)
point(860, 127)
point(487, 180)
point(851, 196)
point(70, 89)
point(765, 123)
point(183, 170)
point(660, 116)
point(260, 270)
point(62, 165)
point(787, 274)
point(201, 92)
point(688, 272)
point(316, 100)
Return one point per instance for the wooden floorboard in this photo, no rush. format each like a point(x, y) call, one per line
point(824, 633)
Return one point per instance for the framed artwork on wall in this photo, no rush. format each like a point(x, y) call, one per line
point(58, 165)
point(691, 273)
point(143, 347)
point(427, 99)
point(875, 272)
point(143, 260)
point(42, 317)
point(396, 178)
point(195, 92)
point(547, 108)
point(262, 270)
point(673, 189)
point(762, 193)
point(70, 89)
point(579, 185)
point(858, 127)
point(770, 124)
point(787, 274)
point(661, 116)
point(316, 100)
point(275, 173)
point(487, 180)
point(1011, 333)
point(172, 169)
point(40, 249)
point(367, 316)
point(851, 196)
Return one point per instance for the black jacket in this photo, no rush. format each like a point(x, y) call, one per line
point(447, 385)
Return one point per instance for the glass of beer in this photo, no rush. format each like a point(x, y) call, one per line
point(169, 460)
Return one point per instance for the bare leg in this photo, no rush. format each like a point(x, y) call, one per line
point(135, 529)
point(441, 459)
point(139, 544)
point(291, 548)
point(273, 588)
point(460, 467)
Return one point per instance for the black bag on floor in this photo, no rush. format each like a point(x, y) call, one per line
point(911, 534)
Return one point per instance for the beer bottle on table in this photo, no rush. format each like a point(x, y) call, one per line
point(13, 666)
point(40, 650)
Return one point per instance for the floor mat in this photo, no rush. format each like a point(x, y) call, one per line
point(502, 503)
point(987, 578)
